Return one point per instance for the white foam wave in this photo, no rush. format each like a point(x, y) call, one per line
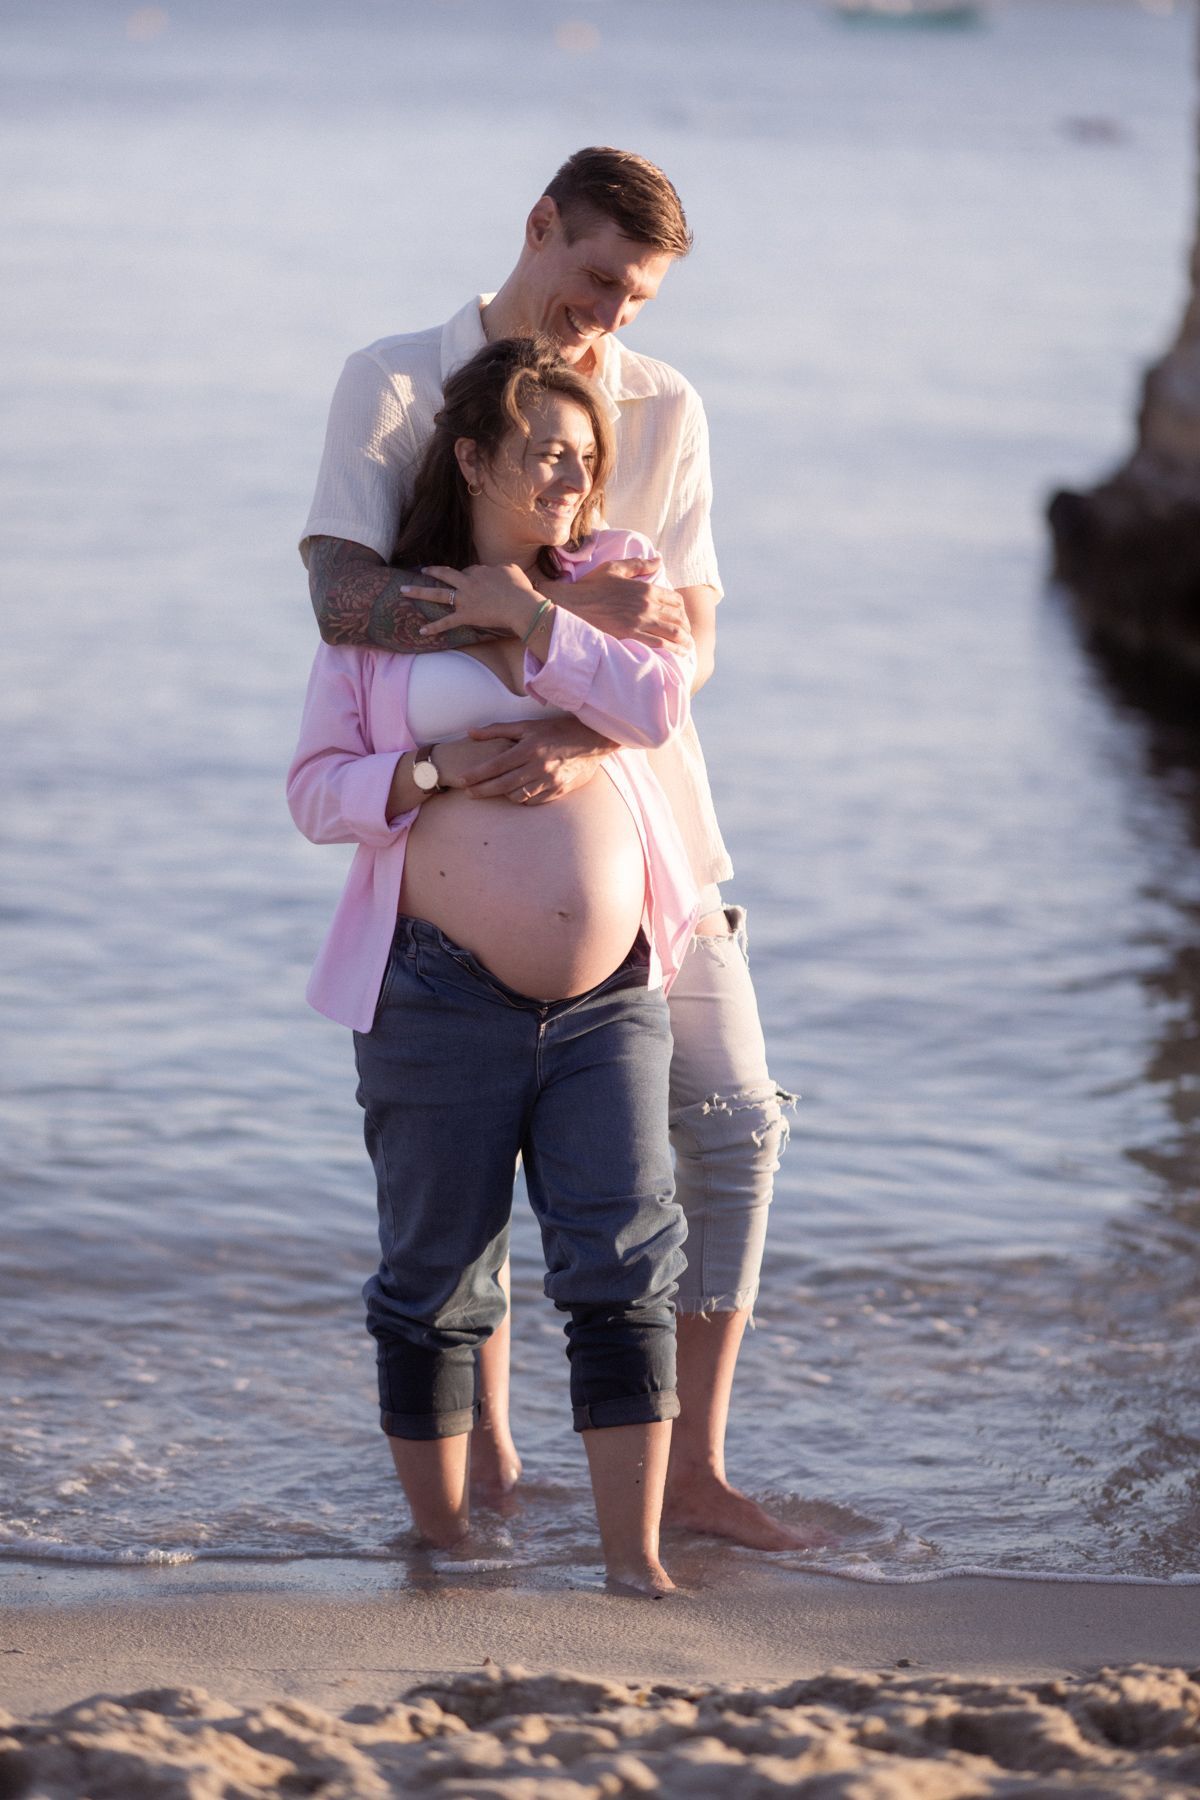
point(50, 1550)
point(977, 1572)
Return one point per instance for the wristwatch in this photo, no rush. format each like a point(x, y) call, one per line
point(424, 771)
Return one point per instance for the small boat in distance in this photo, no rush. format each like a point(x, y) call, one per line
point(910, 12)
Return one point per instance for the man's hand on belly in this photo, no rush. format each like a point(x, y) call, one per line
point(536, 760)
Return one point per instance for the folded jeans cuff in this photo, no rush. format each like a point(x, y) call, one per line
point(629, 1409)
point(424, 1427)
point(694, 1305)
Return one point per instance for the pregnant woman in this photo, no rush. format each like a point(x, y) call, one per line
point(503, 965)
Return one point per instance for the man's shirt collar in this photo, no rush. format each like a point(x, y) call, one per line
point(620, 374)
point(463, 335)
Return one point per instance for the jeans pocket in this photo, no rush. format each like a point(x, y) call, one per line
point(736, 915)
point(385, 986)
point(725, 949)
point(403, 955)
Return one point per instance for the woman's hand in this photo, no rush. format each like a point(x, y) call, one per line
point(497, 597)
point(533, 761)
point(459, 764)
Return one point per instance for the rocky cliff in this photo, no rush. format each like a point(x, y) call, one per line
point(1129, 550)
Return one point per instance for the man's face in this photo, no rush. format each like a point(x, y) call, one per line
point(578, 292)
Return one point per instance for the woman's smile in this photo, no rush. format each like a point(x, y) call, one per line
point(533, 490)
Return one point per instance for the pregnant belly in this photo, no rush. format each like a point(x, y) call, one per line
point(549, 898)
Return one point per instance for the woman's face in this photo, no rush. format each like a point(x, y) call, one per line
point(534, 486)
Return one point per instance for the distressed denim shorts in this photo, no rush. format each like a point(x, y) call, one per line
point(728, 1124)
point(460, 1074)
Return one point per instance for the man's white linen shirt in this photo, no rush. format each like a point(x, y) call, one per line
point(382, 417)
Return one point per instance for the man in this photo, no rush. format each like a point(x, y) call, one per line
point(597, 246)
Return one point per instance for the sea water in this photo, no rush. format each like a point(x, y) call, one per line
point(928, 267)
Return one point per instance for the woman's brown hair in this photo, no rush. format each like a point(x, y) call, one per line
point(485, 400)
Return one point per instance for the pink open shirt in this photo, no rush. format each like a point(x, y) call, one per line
point(355, 730)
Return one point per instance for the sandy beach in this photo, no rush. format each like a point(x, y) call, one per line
point(339, 1681)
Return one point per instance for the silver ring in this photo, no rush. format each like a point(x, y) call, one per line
point(525, 795)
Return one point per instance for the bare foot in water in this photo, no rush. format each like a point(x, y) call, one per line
point(707, 1503)
point(641, 1581)
point(495, 1465)
point(453, 1537)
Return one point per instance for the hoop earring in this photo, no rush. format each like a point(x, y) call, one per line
point(474, 490)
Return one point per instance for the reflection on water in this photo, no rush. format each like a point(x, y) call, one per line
point(972, 869)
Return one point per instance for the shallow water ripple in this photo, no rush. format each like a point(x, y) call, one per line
point(972, 872)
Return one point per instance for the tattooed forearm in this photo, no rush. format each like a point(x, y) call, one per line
point(357, 600)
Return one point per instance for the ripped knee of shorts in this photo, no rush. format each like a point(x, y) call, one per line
point(751, 1123)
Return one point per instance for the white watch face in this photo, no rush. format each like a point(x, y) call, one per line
point(425, 776)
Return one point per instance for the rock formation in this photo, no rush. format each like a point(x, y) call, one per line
point(1129, 550)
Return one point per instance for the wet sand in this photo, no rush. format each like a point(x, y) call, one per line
point(341, 1680)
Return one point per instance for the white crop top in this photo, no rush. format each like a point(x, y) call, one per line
point(451, 692)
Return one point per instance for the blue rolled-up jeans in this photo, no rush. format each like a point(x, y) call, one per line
point(458, 1075)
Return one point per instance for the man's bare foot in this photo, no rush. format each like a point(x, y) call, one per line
point(642, 1581)
point(495, 1465)
point(703, 1502)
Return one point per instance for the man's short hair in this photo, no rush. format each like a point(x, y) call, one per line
point(601, 183)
